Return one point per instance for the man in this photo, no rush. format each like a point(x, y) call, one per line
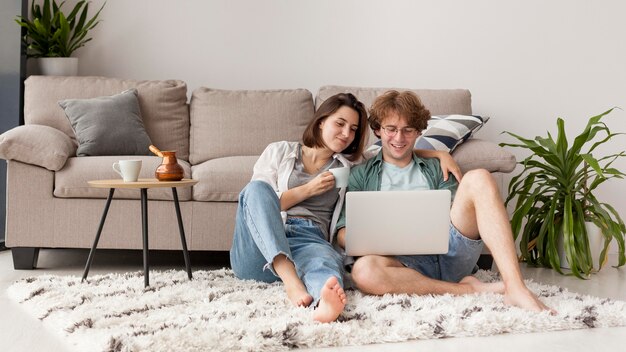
point(477, 215)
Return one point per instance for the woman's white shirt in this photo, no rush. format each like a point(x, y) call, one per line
point(276, 164)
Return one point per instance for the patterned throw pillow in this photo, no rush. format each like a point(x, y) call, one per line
point(447, 132)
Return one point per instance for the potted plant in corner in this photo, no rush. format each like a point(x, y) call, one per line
point(51, 36)
point(555, 200)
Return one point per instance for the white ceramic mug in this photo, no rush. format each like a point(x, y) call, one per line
point(128, 169)
point(341, 176)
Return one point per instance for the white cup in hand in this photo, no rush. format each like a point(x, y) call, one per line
point(341, 176)
point(128, 169)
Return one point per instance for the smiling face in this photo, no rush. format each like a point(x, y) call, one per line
point(338, 129)
point(397, 149)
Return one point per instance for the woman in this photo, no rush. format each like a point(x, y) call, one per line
point(287, 214)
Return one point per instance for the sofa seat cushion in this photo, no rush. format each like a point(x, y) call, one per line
point(222, 179)
point(163, 105)
point(37, 145)
point(71, 180)
point(233, 123)
point(480, 154)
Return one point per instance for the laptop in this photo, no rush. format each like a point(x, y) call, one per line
point(397, 222)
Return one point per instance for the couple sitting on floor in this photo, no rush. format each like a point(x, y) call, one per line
point(290, 215)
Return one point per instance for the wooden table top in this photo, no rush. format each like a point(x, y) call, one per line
point(141, 183)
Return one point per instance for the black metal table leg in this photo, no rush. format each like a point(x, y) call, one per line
point(144, 227)
point(95, 242)
point(181, 230)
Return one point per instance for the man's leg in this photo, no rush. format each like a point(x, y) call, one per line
point(378, 275)
point(478, 212)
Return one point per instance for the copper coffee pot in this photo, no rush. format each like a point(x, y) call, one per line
point(169, 170)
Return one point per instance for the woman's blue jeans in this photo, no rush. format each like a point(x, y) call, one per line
point(260, 236)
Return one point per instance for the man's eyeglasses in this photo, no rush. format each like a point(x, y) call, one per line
point(391, 131)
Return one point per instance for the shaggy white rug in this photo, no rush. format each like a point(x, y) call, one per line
point(217, 312)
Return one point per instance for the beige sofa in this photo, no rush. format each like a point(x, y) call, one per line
point(218, 136)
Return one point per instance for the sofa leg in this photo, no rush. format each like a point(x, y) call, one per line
point(485, 261)
point(25, 258)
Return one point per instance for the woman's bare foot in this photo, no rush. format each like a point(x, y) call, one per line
point(333, 300)
point(298, 294)
point(296, 291)
point(523, 298)
point(479, 286)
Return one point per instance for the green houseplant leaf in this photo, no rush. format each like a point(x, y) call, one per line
point(554, 198)
point(50, 33)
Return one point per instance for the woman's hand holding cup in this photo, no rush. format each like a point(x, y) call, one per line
point(321, 183)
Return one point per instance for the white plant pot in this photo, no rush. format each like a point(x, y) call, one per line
point(596, 243)
point(53, 66)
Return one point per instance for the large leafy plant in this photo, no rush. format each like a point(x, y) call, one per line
point(50, 33)
point(555, 198)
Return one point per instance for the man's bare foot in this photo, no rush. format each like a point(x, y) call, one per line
point(479, 286)
point(333, 300)
point(298, 294)
point(523, 298)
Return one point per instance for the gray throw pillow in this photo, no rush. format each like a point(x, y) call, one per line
point(110, 125)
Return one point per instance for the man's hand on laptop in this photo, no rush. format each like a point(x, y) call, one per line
point(341, 237)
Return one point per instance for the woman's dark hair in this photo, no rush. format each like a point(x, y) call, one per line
point(312, 136)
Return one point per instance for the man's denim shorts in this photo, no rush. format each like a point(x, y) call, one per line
point(459, 262)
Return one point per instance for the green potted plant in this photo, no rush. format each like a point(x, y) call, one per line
point(54, 36)
point(555, 198)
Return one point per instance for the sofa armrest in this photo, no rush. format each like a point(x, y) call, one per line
point(38, 145)
point(481, 154)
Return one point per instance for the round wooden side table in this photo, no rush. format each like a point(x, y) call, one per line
point(143, 185)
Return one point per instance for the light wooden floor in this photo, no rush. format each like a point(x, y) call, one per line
point(20, 332)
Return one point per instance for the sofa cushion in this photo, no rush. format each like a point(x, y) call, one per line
point(481, 154)
point(109, 125)
point(438, 101)
point(38, 145)
point(222, 179)
point(163, 105)
point(232, 123)
point(71, 181)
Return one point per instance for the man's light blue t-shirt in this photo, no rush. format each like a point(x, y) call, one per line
point(408, 178)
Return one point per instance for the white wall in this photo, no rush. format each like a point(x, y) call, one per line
point(525, 62)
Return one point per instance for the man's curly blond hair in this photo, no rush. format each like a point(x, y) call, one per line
point(406, 104)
